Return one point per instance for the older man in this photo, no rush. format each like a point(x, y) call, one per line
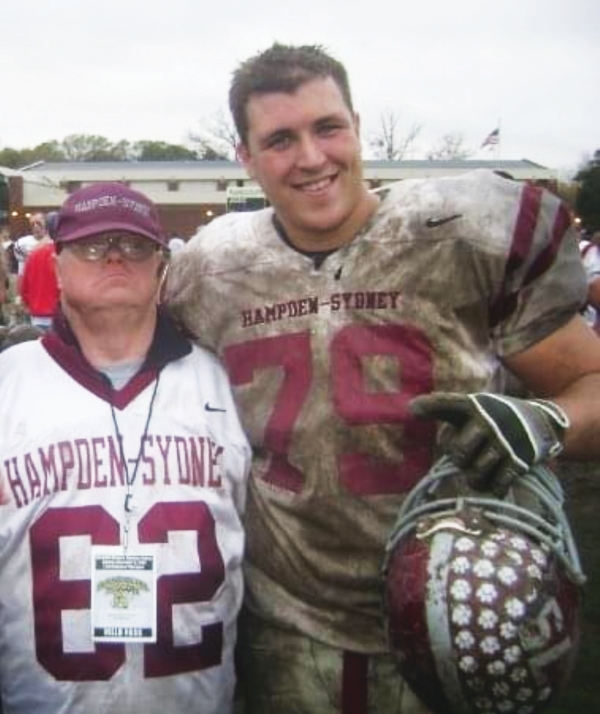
point(122, 480)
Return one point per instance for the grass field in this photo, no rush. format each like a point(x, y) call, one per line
point(582, 490)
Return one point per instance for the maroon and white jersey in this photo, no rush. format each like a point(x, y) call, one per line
point(63, 490)
point(590, 255)
point(448, 275)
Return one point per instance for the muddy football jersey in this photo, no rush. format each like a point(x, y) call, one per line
point(448, 275)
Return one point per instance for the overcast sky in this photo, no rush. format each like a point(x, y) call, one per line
point(154, 69)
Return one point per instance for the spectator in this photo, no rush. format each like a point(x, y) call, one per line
point(9, 254)
point(25, 244)
point(4, 285)
point(122, 487)
point(39, 285)
point(590, 255)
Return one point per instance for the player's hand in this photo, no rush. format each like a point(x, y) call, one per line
point(492, 437)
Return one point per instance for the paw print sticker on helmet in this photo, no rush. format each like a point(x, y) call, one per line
point(482, 595)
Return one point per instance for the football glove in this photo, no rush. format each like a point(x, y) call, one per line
point(494, 438)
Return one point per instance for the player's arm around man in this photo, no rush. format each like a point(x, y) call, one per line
point(565, 368)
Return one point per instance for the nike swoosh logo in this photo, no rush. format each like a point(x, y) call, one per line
point(435, 222)
point(209, 408)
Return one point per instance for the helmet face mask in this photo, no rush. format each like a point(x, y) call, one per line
point(482, 596)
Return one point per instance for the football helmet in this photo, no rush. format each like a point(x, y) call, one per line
point(482, 595)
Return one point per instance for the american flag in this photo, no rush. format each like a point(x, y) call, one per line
point(492, 138)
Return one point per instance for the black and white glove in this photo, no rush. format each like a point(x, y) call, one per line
point(494, 438)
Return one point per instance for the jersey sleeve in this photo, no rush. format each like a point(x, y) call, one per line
point(544, 283)
point(500, 255)
point(217, 255)
point(591, 261)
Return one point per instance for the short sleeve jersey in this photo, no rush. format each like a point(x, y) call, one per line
point(22, 248)
point(590, 255)
point(448, 276)
point(63, 490)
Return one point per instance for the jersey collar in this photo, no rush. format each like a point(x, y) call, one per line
point(168, 344)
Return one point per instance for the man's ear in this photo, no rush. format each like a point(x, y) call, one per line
point(357, 123)
point(57, 271)
point(243, 155)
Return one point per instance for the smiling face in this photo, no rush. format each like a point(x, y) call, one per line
point(303, 149)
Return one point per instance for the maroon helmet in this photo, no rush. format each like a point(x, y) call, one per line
point(483, 595)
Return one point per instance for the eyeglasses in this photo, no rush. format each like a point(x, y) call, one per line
point(131, 247)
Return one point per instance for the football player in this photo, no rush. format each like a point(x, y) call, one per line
point(349, 325)
point(123, 470)
point(590, 255)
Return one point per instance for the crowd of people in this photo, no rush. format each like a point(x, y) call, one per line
point(357, 336)
point(29, 279)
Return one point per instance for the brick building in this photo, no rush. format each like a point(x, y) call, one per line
point(190, 193)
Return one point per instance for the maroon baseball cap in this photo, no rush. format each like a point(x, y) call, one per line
point(107, 207)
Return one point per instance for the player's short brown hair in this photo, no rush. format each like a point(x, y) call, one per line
point(281, 68)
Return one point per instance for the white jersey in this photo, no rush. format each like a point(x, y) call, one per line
point(447, 275)
point(23, 247)
point(590, 256)
point(63, 489)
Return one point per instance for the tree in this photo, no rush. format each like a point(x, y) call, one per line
point(88, 147)
point(388, 143)
point(587, 203)
point(11, 158)
point(162, 151)
point(567, 191)
point(17, 158)
point(217, 138)
point(83, 147)
point(450, 146)
point(48, 151)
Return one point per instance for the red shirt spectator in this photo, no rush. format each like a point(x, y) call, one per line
point(39, 287)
